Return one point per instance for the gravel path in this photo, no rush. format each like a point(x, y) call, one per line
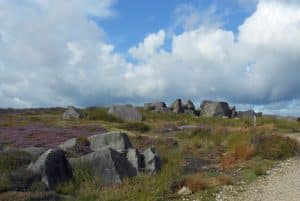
point(281, 184)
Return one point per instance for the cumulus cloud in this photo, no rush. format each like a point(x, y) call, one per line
point(52, 53)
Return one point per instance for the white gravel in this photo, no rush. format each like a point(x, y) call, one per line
point(281, 184)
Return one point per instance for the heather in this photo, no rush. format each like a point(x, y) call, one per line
point(202, 153)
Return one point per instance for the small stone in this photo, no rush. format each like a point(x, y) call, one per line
point(185, 191)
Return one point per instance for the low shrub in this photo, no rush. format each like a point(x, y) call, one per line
point(275, 147)
point(244, 152)
point(196, 182)
point(227, 161)
point(135, 126)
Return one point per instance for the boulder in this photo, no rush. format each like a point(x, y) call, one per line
point(69, 144)
point(177, 106)
point(72, 113)
point(134, 158)
point(53, 167)
point(157, 107)
point(108, 164)
point(151, 161)
point(189, 105)
point(125, 112)
point(116, 140)
point(215, 109)
point(233, 112)
point(185, 191)
point(249, 114)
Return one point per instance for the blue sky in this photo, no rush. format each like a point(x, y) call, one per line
point(103, 52)
point(134, 19)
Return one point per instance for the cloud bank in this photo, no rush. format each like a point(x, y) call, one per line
point(53, 53)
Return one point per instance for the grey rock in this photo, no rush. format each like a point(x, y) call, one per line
point(134, 157)
point(110, 165)
point(151, 160)
point(249, 114)
point(53, 167)
point(177, 106)
point(72, 113)
point(35, 152)
point(232, 112)
point(116, 140)
point(125, 112)
point(157, 107)
point(185, 191)
point(214, 109)
point(189, 105)
point(69, 144)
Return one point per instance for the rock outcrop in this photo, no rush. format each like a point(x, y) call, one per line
point(156, 107)
point(125, 112)
point(110, 165)
point(215, 109)
point(116, 140)
point(72, 113)
point(135, 159)
point(151, 160)
point(249, 114)
point(53, 168)
point(189, 108)
point(177, 106)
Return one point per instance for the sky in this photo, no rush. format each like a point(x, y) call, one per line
point(104, 52)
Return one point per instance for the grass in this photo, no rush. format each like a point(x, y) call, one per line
point(101, 114)
point(85, 186)
point(135, 126)
point(11, 160)
point(235, 150)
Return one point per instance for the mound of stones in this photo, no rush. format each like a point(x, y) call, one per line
point(113, 158)
point(125, 112)
point(72, 113)
point(52, 167)
point(110, 156)
point(207, 108)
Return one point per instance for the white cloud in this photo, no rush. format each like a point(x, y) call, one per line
point(51, 53)
point(151, 44)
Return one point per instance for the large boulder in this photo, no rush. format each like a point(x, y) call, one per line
point(151, 161)
point(134, 158)
point(157, 107)
point(249, 114)
point(53, 167)
point(116, 140)
point(125, 112)
point(72, 113)
point(110, 165)
point(177, 106)
point(215, 109)
point(69, 144)
point(189, 107)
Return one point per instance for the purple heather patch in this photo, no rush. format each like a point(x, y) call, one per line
point(37, 134)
